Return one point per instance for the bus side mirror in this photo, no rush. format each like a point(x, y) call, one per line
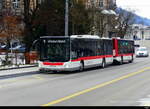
point(35, 46)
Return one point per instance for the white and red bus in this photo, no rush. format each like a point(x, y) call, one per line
point(78, 52)
point(123, 50)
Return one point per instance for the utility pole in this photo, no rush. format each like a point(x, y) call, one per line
point(66, 18)
point(93, 17)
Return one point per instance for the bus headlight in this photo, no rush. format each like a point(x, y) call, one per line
point(66, 65)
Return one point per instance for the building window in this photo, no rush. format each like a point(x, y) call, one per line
point(0, 6)
point(16, 4)
point(136, 27)
point(101, 3)
point(40, 1)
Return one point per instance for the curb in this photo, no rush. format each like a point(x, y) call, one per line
point(18, 67)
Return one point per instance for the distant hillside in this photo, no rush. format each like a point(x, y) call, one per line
point(138, 19)
point(142, 20)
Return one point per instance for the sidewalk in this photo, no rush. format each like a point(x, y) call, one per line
point(17, 67)
point(16, 71)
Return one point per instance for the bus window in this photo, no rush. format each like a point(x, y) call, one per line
point(55, 50)
point(74, 55)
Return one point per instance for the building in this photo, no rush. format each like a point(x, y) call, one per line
point(106, 8)
point(139, 32)
point(16, 6)
point(102, 4)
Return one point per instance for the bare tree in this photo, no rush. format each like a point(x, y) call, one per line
point(10, 28)
point(101, 23)
point(29, 15)
point(125, 19)
point(80, 19)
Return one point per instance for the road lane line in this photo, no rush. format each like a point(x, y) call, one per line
point(145, 101)
point(95, 87)
point(146, 104)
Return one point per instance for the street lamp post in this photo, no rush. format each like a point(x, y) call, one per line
point(66, 18)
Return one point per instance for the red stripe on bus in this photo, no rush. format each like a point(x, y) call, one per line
point(91, 57)
point(79, 59)
point(48, 63)
point(108, 55)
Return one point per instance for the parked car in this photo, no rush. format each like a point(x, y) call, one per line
point(137, 39)
point(19, 48)
point(147, 38)
point(142, 52)
point(4, 47)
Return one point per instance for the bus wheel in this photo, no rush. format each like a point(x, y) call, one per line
point(103, 63)
point(131, 60)
point(121, 62)
point(81, 66)
point(42, 71)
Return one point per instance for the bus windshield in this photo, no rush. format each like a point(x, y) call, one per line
point(55, 50)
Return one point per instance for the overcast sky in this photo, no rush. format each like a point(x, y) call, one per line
point(141, 7)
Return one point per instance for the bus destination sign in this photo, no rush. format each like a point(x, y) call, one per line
point(56, 41)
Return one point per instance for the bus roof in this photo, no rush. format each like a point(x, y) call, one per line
point(73, 36)
point(44, 37)
point(122, 39)
point(106, 38)
point(85, 36)
point(127, 39)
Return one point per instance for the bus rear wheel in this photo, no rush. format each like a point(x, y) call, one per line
point(103, 63)
point(81, 67)
point(131, 59)
point(121, 62)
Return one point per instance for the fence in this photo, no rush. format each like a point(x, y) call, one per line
point(18, 58)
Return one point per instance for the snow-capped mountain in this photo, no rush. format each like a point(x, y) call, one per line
point(138, 19)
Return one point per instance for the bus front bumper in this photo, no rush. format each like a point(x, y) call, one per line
point(65, 67)
point(57, 69)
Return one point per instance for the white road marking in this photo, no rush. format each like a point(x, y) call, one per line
point(144, 102)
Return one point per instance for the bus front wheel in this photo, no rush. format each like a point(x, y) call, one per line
point(42, 71)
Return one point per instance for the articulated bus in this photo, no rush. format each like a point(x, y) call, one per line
point(123, 50)
point(78, 52)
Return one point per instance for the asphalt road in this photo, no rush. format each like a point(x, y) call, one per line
point(116, 85)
